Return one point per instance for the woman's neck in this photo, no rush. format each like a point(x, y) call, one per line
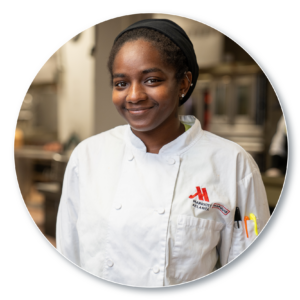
point(165, 133)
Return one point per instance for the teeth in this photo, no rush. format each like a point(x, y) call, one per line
point(138, 109)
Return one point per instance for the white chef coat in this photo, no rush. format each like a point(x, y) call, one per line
point(135, 218)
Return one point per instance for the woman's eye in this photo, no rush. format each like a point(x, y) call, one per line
point(152, 81)
point(120, 84)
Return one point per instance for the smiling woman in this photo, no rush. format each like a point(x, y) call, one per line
point(146, 93)
point(158, 201)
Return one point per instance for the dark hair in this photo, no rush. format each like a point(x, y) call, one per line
point(170, 52)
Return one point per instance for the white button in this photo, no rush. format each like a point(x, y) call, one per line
point(110, 263)
point(118, 206)
point(171, 161)
point(161, 210)
point(156, 270)
point(130, 157)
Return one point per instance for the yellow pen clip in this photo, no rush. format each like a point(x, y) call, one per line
point(253, 218)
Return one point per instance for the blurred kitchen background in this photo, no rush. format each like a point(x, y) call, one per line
point(70, 100)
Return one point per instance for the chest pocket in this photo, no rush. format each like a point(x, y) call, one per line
point(194, 252)
point(240, 241)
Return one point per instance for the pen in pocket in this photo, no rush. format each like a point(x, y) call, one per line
point(237, 216)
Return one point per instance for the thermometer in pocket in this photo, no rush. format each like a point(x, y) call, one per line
point(252, 218)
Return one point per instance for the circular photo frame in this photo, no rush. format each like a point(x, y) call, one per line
point(263, 240)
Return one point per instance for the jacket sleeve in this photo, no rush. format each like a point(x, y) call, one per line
point(251, 198)
point(66, 232)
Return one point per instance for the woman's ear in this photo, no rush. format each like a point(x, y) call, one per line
point(185, 84)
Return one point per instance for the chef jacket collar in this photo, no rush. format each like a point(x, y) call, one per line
point(177, 146)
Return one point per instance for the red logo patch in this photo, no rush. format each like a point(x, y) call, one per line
point(201, 194)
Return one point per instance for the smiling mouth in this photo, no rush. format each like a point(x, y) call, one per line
point(138, 111)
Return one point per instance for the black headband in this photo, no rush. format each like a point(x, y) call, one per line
point(178, 36)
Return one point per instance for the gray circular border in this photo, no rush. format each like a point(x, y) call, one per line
point(262, 241)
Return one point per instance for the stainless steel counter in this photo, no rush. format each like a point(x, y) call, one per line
point(28, 156)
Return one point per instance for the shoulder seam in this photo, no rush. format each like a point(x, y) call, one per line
point(248, 175)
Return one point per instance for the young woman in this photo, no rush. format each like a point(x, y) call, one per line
point(153, 203)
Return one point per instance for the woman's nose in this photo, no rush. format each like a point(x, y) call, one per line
point(136, 93)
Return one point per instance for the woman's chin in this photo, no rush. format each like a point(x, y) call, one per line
point(141, 126)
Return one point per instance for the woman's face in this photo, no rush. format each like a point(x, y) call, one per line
point(145, 90)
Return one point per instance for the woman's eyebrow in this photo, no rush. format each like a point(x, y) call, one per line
point(119, 75)
point(122, 75)
point(151, 70)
